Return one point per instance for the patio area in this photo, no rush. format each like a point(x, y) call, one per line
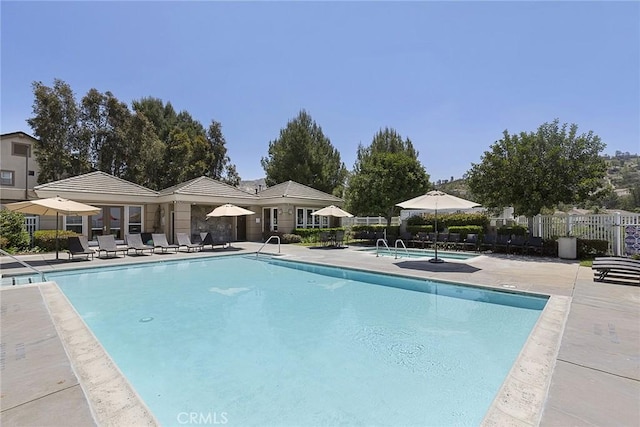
point(581, 365)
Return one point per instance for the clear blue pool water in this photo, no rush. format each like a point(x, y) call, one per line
point(247, 342)
point(419, 253)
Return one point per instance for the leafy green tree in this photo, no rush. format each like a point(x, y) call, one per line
point(220, 167)
point(59, 151)
point(303, 154)
point(537, 170)
point(13, 234)
point(147, 153)
point(386, 173)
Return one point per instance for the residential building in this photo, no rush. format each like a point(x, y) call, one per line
point(18, 167)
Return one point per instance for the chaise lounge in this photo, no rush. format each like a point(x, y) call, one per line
point(185, 241)
point(160, 242)
point(134, 241)
point(79, 246)
point(618, 268)
point(107, 244)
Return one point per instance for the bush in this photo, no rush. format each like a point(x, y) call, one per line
point(46, 239)
point(415, 229)
point(591, 248)
point(291, 238)
point(311, 235)
point(464, 230)
point(450, 220)
point(14, 235)
point(512, 230)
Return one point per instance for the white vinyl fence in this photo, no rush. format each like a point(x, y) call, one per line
point(615, 228)
point(369, 220)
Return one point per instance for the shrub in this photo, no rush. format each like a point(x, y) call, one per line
point(511, 230)
point(46, 239)
point(464, 230)
point(415, 229)
point(291, 238)
point(450, 220)
point(591, 248)
point(311, 235)
point(14, 235)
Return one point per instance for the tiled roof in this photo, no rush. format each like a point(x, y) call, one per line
point(294, 190)
point(97, 182)
point(205, 186)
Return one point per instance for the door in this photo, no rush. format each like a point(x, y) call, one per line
point(109, 221)
point(269, 219)
point(241, 228)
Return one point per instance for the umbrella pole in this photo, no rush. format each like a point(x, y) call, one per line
point(435, 244)
point(57, 235)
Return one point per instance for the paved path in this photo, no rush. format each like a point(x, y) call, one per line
point(592, 378)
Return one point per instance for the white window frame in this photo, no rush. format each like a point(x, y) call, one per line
point(311, 221)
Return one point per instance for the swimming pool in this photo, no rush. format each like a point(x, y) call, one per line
point(418, 253)
point(287, 343)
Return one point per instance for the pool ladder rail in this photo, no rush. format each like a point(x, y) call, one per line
point(384, 242)
point(265, 244)
point(13, 279)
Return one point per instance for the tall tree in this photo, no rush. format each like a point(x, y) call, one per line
point(54, 122)
point(147, 153)
point(537, 170)
point(221, 168)
point(303, 154)
point(385, 173)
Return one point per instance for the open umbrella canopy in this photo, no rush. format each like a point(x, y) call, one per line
point(332, 211)
point(53, 206)
point(438, 201)
point(229, 210)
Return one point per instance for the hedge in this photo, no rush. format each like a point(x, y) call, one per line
point(448, 220)
point(46, 239)
point(517, 230)
point(464, 230)
point(591, 248)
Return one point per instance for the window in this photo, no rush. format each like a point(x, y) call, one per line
point(73, 223)
point(22, 150)
point(135, 219)
point(7, 178)
point(305, 219)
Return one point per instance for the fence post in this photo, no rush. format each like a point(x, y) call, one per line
point(617, 234)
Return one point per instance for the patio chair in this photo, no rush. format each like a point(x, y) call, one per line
point(134, 241)
point(616, 268)
point(107, 244)
point(325, 238)
point(160, 242)
point(207, 238)
point(470, 242)
point(79, 246)
point(535, 244)
point(518, 243)
point(185, 241)
point(488, 242)
point(338, 238)
point(453, 242)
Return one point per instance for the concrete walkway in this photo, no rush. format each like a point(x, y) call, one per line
point(581, 365)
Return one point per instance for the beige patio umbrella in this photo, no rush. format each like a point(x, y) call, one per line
point(229, 210)
point(437, 201)
point(332, 211)
point(54, 205)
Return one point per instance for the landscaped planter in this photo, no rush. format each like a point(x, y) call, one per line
point(568, 247)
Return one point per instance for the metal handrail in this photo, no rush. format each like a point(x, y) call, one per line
point(3, 252)
point(403, 245)
point(385, 244)
point(265, 244)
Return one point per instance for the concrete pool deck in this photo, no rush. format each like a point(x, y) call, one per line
point(580, 366)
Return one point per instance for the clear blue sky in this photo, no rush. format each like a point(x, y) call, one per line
point(451, 76)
